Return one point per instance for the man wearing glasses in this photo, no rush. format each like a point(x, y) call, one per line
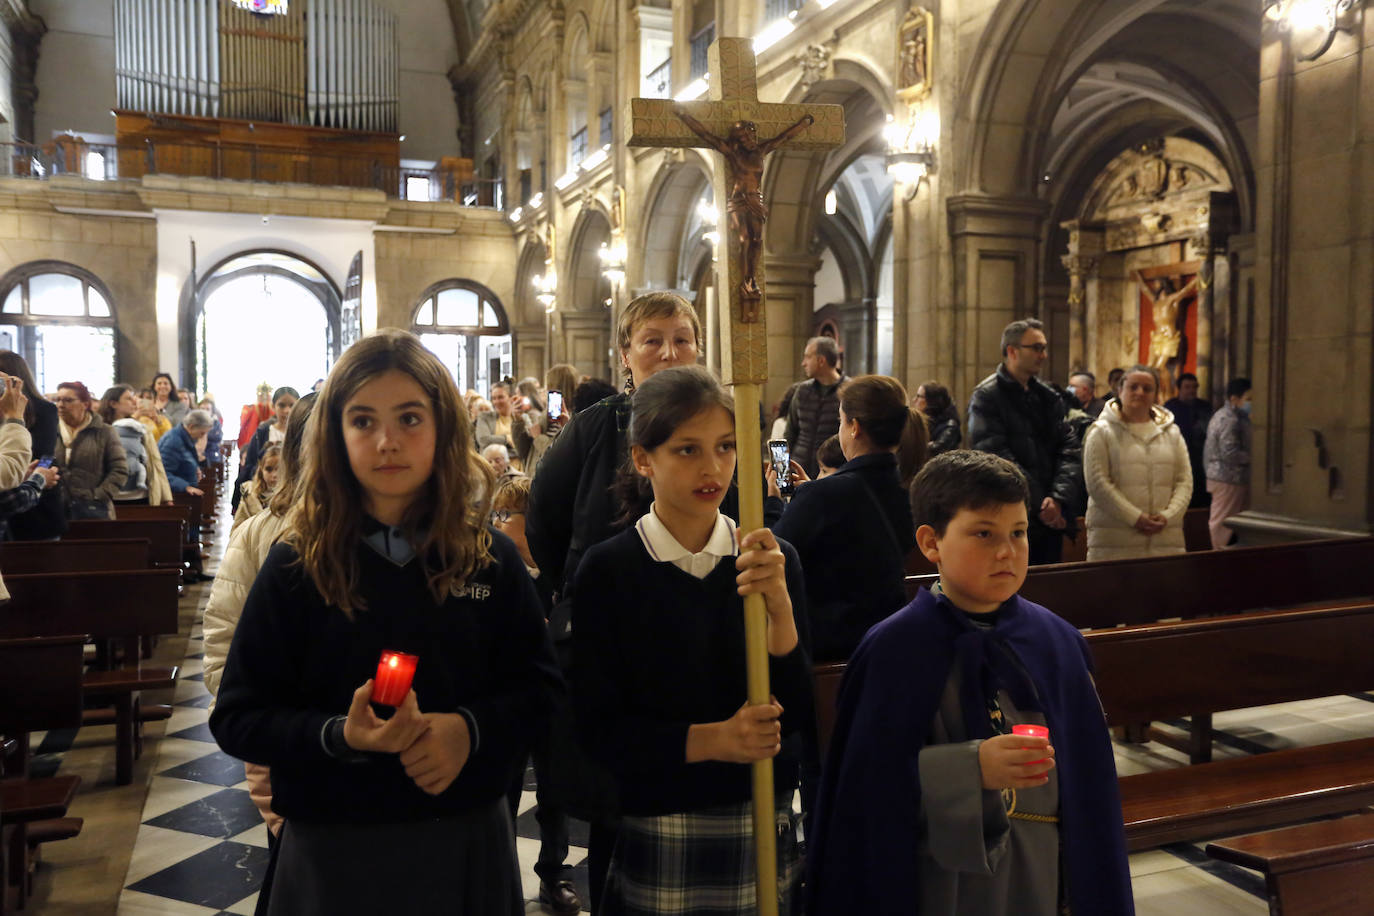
point(1015, 415)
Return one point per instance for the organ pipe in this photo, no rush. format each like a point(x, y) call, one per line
point(332, 63)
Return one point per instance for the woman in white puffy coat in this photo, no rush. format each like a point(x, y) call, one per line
point(1135, 463)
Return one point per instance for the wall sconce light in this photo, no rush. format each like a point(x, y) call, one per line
point(911, 151)
point(613, 258)
point(546, 290)
point(1317, 19)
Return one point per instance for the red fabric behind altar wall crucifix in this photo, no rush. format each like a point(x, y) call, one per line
point(1180, 275)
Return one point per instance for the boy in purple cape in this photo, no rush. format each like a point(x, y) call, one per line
point(928, 803)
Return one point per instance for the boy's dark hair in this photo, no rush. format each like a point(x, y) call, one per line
point(1237, 387)
point(1185, 377)
point(830, 454)
point(964, 479)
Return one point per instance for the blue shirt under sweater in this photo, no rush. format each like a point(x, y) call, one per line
point(656, 650)
point(296, 661)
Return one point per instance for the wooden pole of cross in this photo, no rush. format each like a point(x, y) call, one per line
point(743, 131)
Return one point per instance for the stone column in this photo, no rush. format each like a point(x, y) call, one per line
point(790, 300)
point(1311, 463)
point(1082, 262)
point(996, 264)
point(857, 321)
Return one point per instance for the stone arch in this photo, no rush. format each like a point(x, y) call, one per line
point(1022, 75)
point(602, 19)
point(586, 289)
point(663, 243)
point(529, 265)
point(287, 264)
point(794, 183)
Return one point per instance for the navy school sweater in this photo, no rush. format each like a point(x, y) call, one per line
point(656, 650)
point(296, 661)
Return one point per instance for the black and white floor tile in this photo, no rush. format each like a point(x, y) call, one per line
point(202, 848)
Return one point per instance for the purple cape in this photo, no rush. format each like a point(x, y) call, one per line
point(862, 842)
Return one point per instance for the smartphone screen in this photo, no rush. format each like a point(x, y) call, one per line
point(555, 404)
point(45, 462)
point(782, 465)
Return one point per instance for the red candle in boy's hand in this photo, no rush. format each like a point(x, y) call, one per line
point(1032, 731)
point(395, 671)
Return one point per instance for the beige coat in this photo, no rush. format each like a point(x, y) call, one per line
point(1132, 472)
point(16, 452)
point(248, 547)
point(249, 544)
point(249, 504)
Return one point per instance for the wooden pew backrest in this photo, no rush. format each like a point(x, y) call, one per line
point(1164, 670)
point(1107, 594)
point(100, 604)
point(40, 683)
point(163, 535)
point(95, 555)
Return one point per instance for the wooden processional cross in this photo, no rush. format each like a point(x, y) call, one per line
point(742, 130)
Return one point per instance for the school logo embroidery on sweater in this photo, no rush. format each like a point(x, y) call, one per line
point(476, 592)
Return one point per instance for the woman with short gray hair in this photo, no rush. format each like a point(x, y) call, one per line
point(178, 450)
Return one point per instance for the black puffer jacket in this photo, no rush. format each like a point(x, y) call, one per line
point(813, 417)
point(1028, 426)
point(945, 434)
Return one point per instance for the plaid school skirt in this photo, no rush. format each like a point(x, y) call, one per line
point(699, 862)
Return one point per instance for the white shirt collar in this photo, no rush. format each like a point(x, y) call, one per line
point(664, 548)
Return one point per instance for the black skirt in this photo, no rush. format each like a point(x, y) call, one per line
point(454, 866)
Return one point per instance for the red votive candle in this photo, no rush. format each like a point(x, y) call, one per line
point(395, 671)
point(1032, 731)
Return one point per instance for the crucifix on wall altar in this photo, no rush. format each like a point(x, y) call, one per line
point(1168, 319)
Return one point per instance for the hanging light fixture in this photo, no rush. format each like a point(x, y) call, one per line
point(613, 259)
point(546, 290)
point(911, 149)
point(1321, 19)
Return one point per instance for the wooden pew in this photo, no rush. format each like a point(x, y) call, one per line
point(1162, 670)
point(187, 510)
point(164, 536)
point(1111, 593)
point(110, 605)
point(40, 689)
point(17, 557)
point(1325, 867)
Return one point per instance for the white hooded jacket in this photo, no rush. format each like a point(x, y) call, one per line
point(1134, 470)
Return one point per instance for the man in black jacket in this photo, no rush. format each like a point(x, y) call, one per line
point(1015, 415)
point(814, 414)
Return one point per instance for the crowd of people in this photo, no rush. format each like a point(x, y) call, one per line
point(562, 557)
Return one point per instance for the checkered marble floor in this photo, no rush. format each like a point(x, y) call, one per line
point(202, 848)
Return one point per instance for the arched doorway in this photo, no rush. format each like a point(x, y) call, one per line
point(260, 316)
point(465, 325)
point(61, 319)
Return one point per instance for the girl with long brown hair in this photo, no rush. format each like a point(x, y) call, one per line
point(389, 550)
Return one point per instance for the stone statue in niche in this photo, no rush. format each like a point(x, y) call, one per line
point(744, 155)
point(814, 60)
point(915, 73)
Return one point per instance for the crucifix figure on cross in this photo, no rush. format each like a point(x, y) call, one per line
point(744, 153)
point(731, 123)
